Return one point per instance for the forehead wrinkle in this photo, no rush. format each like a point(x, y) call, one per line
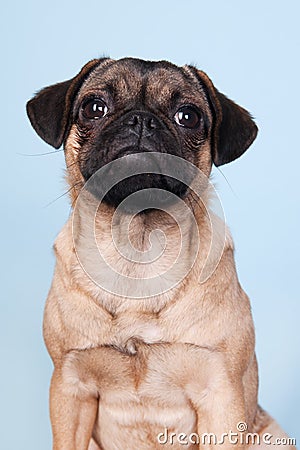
point(127, 85)
point(172, 87)
point(127, 81)
point(119, 81)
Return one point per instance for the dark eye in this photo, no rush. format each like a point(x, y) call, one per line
point(188, 117)
point(94, 109)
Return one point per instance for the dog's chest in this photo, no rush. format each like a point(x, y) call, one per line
point(135, 416)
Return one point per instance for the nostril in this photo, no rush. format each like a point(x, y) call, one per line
point(133, 121)
point(152, 124)
point(141, 122)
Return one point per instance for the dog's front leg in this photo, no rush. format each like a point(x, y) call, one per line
point(217, 396)
point(73, 410)
point(93, 445)
point(219, 414)
point(76, 389)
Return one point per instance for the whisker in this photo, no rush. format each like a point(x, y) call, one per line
point(230, 187)
point(62, 195)
point(40, 154)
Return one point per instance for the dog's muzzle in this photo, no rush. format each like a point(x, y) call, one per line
point(145, 190)
point(144, 137)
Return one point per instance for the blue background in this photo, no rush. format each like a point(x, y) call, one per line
point(251, 51)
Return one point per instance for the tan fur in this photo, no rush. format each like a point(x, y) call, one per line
point(80, 316)
point(123, 367)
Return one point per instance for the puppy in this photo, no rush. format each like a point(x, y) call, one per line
point(149, 330)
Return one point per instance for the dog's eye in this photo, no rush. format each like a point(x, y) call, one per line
point(94, 109)
point(187, 117)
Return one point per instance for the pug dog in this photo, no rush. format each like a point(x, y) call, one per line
point(149, 330)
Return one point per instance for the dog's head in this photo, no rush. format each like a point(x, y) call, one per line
point(133, 107)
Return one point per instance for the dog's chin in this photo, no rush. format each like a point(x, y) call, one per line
point(140, 193)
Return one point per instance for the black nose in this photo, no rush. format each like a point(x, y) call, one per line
point(142, 123)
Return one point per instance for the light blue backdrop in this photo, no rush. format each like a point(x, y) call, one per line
point(251, 51)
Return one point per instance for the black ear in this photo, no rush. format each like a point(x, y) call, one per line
point(233, 130)
point(49, 109)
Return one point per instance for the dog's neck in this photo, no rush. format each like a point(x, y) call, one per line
point(140, 262)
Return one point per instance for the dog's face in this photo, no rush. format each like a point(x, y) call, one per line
point(133, 107)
